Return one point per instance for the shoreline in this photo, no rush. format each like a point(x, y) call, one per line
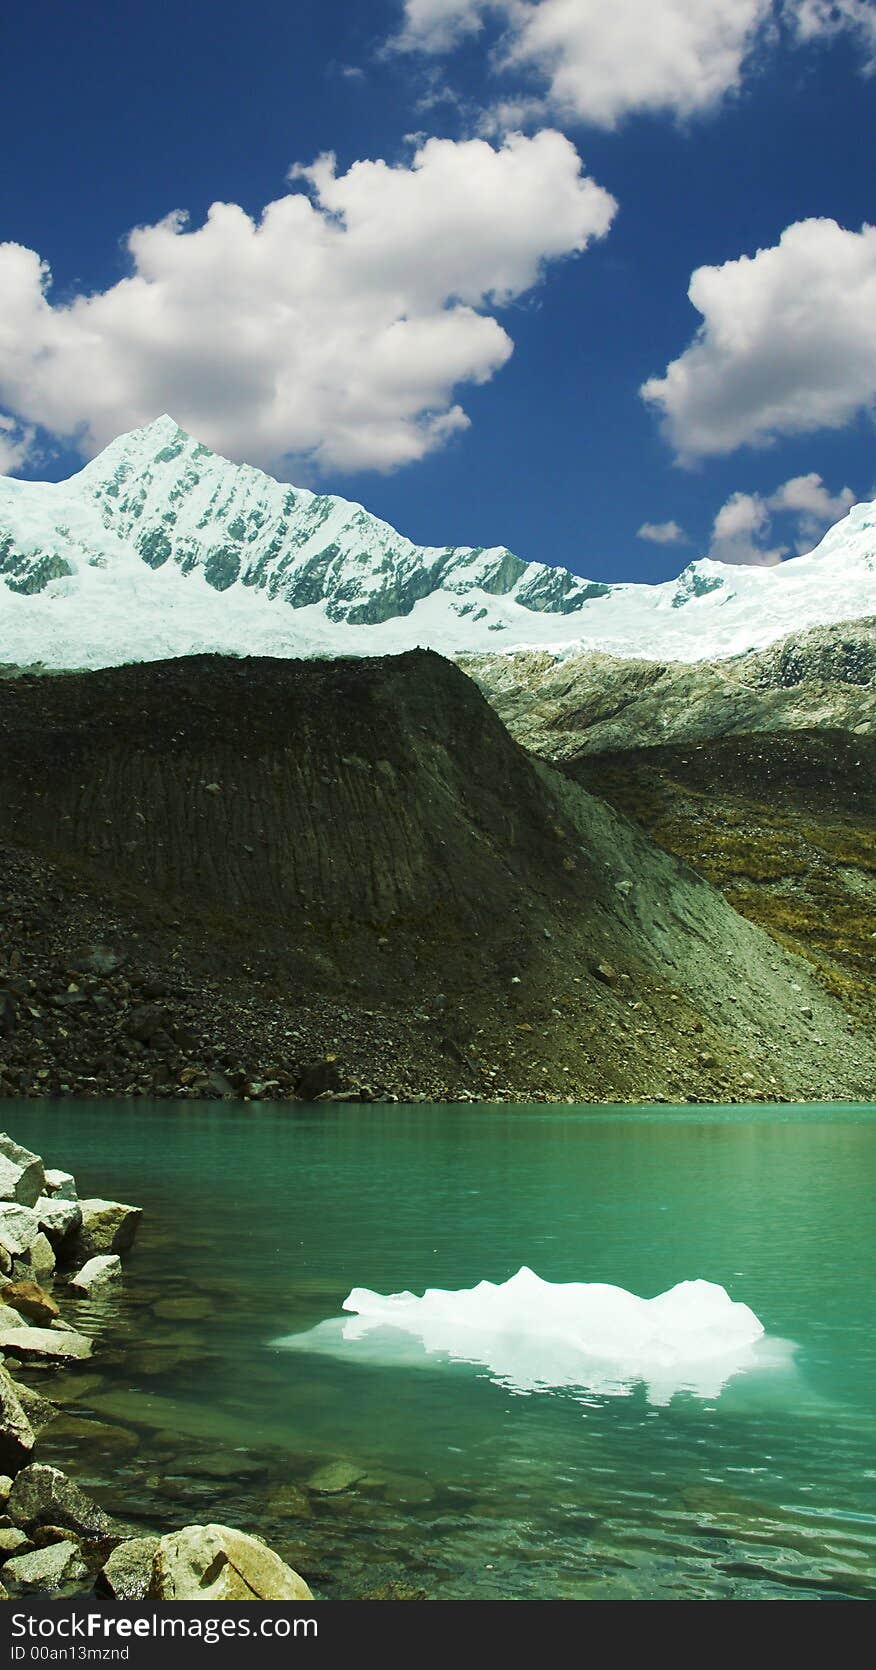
point(55, 1540)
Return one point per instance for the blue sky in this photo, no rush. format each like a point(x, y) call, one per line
point(457, 331)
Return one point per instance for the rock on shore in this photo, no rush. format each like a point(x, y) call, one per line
point(214, 1562)
point(54, 1539)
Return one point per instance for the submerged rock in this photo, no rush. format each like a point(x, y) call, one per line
point(288, 1501)
point(46, 1568)
point(97, 1274)
point(214, 1562)
point(223, 1464)
point(73, 1385)
point(99, 1437)
point(108, 1226)
point(127, 1573)
point(334, 1478)
point(183, 1309)
point(21, 1173)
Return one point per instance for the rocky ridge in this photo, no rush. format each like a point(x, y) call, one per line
point(563, 707)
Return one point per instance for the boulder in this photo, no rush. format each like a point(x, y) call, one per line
point(127, 1573)
point(37, 1263)
point(5, 1488)
point(317, 1078)
point(45, 1496)
point(31, 1300)
point(60, 1185)
point(97, 1274)
point(58, 1217)
point(19, 1228)
point(13, 1541)
point(44, 1345)
point(21, 1173)
point(216, 1563)
point(39, 1410)
point(46, 1568)
point(144, 1021)
point(108, 1226)
point(17, 1437)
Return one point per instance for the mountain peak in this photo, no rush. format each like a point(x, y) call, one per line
point(162, 547)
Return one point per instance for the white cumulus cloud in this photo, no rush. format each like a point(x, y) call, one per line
point(814, 508)
point(740, 530)
point(743, 528)
point(599, 62)
point(787, 343)
point(435, 26)
point(337, 327)
point(16, 445)
point(813, 20)
point(662, 533)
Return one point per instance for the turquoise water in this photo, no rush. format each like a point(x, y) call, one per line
point(261, 1220)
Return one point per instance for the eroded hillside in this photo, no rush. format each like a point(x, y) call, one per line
point(278, 878)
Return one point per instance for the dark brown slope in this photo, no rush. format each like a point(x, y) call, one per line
point(217, 872)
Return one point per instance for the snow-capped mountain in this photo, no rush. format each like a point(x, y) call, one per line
point(159, 548)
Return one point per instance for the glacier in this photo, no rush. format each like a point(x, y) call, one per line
point(160, 548)
point(531, 1335)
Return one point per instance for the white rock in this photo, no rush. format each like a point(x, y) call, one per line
point(46, 1568)
point(17, 1436)
point(19, 1227)
point(37, 1263)
point(44, 1344)
point(214, 1562)
point(128, 1571)
point(97, 1273)
point(61, 1185)
point(21, 1172)
point(58, 1217)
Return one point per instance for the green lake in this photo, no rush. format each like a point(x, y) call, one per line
point(258, 1222)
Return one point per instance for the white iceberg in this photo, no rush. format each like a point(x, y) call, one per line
point(536, 1336)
